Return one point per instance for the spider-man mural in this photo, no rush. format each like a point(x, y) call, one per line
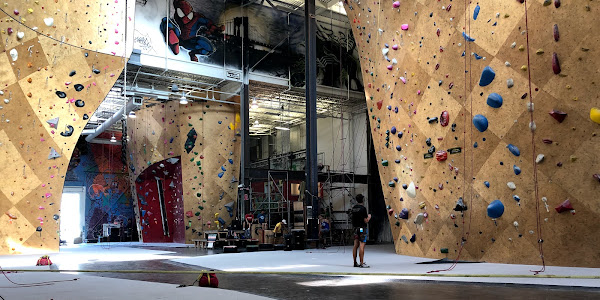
point(189, 29)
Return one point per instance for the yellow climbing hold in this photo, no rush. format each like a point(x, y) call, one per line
point(524, 67)
point(521, 48)
point(30, 10)
point(539, 52)
point(595, 114)
point(568, 87)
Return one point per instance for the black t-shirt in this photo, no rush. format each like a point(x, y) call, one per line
point(359, 213)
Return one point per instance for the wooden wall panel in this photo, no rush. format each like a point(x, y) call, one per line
point(40, 63)
point(414, 74)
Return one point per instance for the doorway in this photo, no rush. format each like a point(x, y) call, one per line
point(72, 214)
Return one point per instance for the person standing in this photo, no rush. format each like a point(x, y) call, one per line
point(360, 219)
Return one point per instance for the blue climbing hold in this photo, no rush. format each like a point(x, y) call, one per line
point(480, 122)
point(230, 161)
point(468, 38)
point(398, 147)
point(400, 134)
point(495, 209)
point(516, 169)
point(517, 198)
point(396, 179)
point(396, 109)
point(221, 174)
point(487, 184)
point(475, 145)
point(494, 100)
point(476, 12)
point(389, 107)
point(514, 150)
point(393, 130)
point(477, 56)
point(487, 76)
point(397, 161)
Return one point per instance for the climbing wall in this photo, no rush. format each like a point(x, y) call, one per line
point(210, 161)
point(205, 135)
point(60, 60)
point(483, 119)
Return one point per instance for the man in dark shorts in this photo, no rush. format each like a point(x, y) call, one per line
point(360, 219)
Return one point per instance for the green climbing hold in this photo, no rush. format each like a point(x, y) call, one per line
point(384, 163)
point(444, 250)
point(198, 195)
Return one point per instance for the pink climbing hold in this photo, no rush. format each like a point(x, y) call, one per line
point(396, 4)
point(390, 67)
point(555, 63)
point(565, 206)
point(48, 195)
point(395, 47)
point(404, 27)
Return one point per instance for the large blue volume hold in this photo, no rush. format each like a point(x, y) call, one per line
point(494, 100)
point(487, 76)
point(480, 122)
point(495, 209)
point(514, 150)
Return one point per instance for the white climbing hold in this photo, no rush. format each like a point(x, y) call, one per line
point(385, 51)
point(53, 154)
point(394, 61)
point(510, 83)
point(532, 126)
point(506, 63)
point(539, 158)
point(411, 191)
point(530, 106)
point(514, 44)
point(419, 219)
point(20, 35)
point(6, 101)
point(511, 185)
point(516, 224)
point(49, 21)
point(14, 54)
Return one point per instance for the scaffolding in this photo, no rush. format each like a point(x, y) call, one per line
point(274, 199)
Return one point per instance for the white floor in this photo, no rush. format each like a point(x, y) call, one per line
point(92, 287)
point(383, 260)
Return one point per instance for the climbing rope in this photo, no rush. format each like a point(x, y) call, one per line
point(535, 179)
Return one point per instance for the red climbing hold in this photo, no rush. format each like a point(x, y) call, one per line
point(444, 118)
point(438, 32)
point(597, 177)
point(555, 63)
point(557, 3)
point(558, 115)
point(565, 206)
point(547, 141)
point(441, 155)
point(448, 7)
point(379, 104)
point(520, 1)
point(556, 34)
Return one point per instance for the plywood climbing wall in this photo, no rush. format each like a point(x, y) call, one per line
point(204, 135)
point(60, 59)
point(485, 101)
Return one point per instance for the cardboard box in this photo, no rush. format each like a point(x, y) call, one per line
point(269, 237)
point(298, 205)
point(254, 234)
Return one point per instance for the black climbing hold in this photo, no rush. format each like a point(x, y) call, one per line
point(454, 127)
point(79, 103)
point(79, 87)
point(68, 132)
point(191, 140)
point(428, 142)
point(432, 120)
point(404, 186)
point(431, 150)
point(460, 205)
point(85, 116)
point(72, 73)
point(56, 217)
point(86, 54)
point(455, 150)
point(96, 71)
point(61, 94)
point(427, 155)
point(39, 229)
point(413, 238)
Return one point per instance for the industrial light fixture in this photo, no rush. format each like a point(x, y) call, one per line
point(132, 114)
point(113, 139)
point(183, 100)
point(282, 128)
point(254, 104)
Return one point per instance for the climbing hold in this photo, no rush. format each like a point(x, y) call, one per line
point(14, 55)
point(79, 103)
point(403, 214)
point(510, 83)
point(411, 191)
point(539, 158)
point(487, 76)
point(487, 184)
point(565, 206)
point(480, 122)
point(476, 12)
point(393, 130)
point(398, 147)
point(396, 4)
point(413, 238)
point(556, 33)
point(444, 118)
point(467, 38)
point(49, 21)
point(61, 94)
point(379, 104)
point(53, 154)
point(517, 198)
point(384, 163)
point(494, 100)
point(516, 169)
point(96, 71)
point(547, 2)
point(39, 229)
point(595, 114)
point(56, 217)
point(53, 122)
point(85, 116)
point(68, 132)
point(555, 63)
point(557, 3)
point(400, 134)
point(419, 220)
point(597, 177)
point(441, 155)
point(460, 205)
point(72, 73)
point(79, 87)
point(432, 120)
point(191, 140)
point(511, 185)
point(495, 209)
point(392, 184)
point(558, 115)
point(404, 27)
point(514, 150)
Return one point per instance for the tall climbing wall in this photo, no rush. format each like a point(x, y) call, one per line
point(205, 136)
point(483, 119)
point(60, 59)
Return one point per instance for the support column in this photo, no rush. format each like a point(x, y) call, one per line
point(244, 204)
point(310, 26)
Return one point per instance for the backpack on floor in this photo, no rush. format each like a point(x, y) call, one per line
point(44, 261)
point(208, 280)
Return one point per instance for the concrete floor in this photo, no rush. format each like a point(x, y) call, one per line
point(301, 287)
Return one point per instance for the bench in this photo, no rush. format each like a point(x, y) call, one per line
point(200, 243)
